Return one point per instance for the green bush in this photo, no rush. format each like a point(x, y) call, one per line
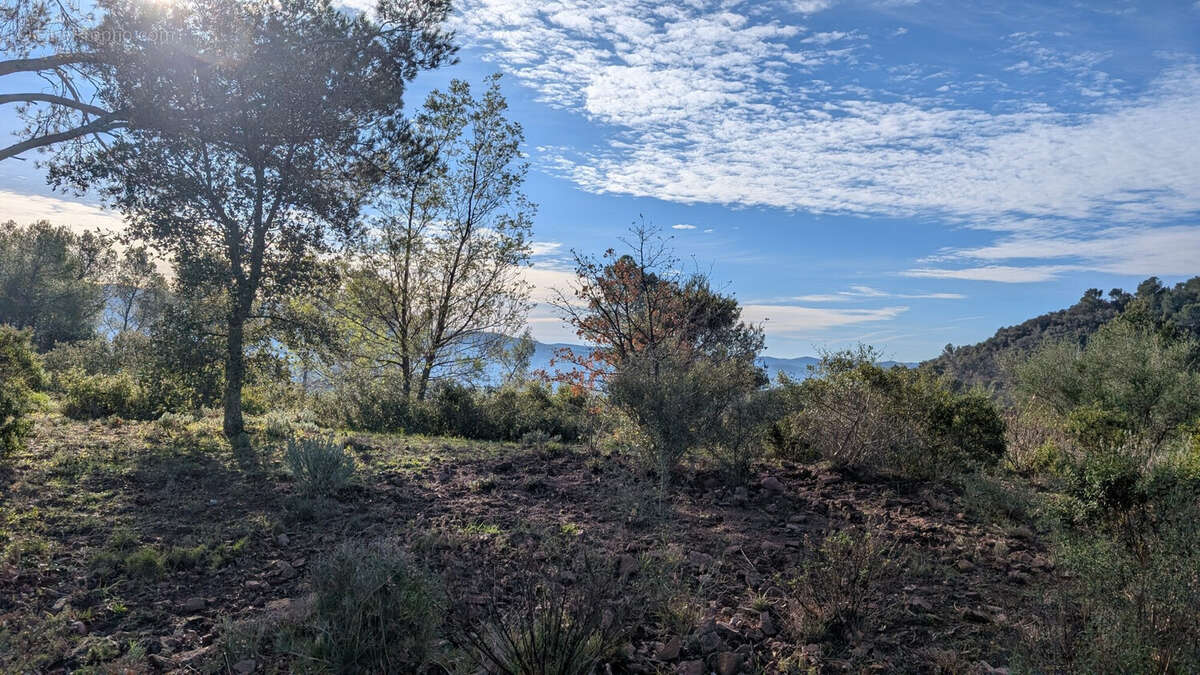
point(1131, 386)
point(320, 466)
point(1127, 602)
point(95, 396)
point(897, 420)
point(504, 414)
point(682, 404)
point(20, 377)
point(835, 593)
point(375, 610)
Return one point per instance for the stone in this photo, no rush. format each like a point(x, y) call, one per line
point(772, 484)
point(1018, 578)
point(626, 565)
point(728, 663)
point(283, 540)
point(976, 616)
point(767, 624)
point(690, 668)
point(193, 604)
point(670, 650)
point(59, 604)
point(284, 570)
point(710, 642)
point(79, 628)
point(245, 667)
point(916, 602)
point(194, 658)
point(964, 565)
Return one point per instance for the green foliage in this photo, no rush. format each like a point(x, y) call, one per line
point(433, 290)
point(551, 631)
point(375, 609)
point(95, 396)
point(20, 378)
point(1108, 482)
point(1131, 387)
point(1128, 602)
point(898, 420)
point(146, 563)
point(683, 403)
point(834, 594)
point(51, 281)
point(504, 414)
point(320, 466)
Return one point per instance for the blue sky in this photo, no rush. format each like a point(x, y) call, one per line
point(905, 173)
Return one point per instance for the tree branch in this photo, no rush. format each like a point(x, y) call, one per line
point(99, 125)
point(47, 62)
point(53, 99)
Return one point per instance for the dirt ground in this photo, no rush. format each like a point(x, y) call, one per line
point(128, 547)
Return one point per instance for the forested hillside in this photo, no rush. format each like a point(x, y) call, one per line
point(985, 364)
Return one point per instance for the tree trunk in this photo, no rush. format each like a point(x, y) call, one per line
point(235, 375)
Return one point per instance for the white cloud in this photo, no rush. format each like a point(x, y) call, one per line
point(811, 6)
point(790, 321)
point(1000, 273)
point(543, 248)
point(700, 103)
point(1130, 251)
point(860, 293)
point(683, 226)
point(26, 209)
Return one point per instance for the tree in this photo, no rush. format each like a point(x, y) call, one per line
point(51, 281)
point(435, 288)
point(671, 352)
point(639, 302)
point(263, 127)
point(139, 291)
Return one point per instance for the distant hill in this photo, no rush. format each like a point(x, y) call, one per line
point(985, 364)
point(796, 368)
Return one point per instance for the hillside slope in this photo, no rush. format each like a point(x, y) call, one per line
point(984, 364)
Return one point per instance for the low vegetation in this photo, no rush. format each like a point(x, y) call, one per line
point(316, 444)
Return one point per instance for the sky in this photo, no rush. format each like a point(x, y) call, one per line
point(903, 173)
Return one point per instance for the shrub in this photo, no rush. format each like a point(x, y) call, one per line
point(374, 609)
point(679, 404)
point(1128, 604)
point(834, 594)
point(898, 420)
point(505, 414)
point(20, 377)
point(94, 396)
point(552, 631)
point(1131, 386)
point(146, 562)
point(320, 466)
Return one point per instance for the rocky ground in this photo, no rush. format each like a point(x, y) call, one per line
point(131, 548)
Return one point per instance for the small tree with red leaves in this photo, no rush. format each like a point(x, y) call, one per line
point(670, 351)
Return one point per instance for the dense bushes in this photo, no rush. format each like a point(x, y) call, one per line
point(898, 420)
point(1131, 388)
point(504, 414)
point(681, 405)
point(1116, 442)
point(93, 396)
point(20, 377)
